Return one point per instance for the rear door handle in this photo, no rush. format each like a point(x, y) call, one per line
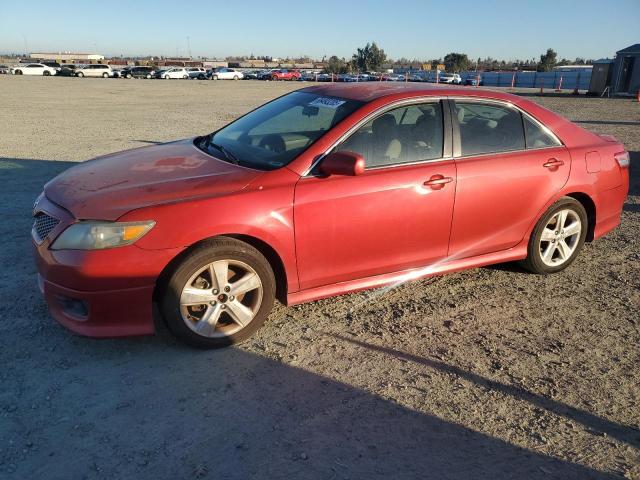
point(438, 181)
point(553, 163)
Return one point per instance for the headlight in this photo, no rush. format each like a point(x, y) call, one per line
point(99, 235)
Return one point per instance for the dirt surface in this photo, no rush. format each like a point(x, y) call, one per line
point(489, 373)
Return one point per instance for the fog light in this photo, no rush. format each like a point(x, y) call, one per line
point(73, 307)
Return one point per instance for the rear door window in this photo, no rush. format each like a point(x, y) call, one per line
point(489, 128)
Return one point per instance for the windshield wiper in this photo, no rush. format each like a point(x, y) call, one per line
point(230, 156)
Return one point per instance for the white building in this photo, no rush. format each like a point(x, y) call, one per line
point(67, 57)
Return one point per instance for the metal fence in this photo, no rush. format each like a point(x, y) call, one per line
point(552, 80)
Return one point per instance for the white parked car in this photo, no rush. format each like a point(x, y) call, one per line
point(33, 69)
point(174, 73)
point(224, 73)
point(97, 70)
point(450, 78)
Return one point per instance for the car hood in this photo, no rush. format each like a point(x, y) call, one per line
point(110, 186)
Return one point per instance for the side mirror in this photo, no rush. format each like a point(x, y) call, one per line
point(342, 163)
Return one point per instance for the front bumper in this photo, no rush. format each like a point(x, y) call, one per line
point(109, 313)
point(98, 293)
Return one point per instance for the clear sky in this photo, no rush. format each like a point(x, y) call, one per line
point(421, 29)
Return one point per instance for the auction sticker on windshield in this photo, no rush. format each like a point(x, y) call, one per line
point(327, 102)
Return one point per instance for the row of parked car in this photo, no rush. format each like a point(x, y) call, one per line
point(224, 73)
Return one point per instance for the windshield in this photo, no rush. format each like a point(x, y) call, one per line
point(273, 135)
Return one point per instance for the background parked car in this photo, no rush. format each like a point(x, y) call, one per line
point(264, 74)
point(33, 69)
point(97, 70)
point(450, 78)
point(251, 74)
point(55, 65)
point(197, 72)
point(138, 72)
point(284, 74)
point(472, 81)
point(4, 69)
point(173, 73)
point(67, 70)
point(224, 73)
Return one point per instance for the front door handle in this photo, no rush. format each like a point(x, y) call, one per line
point(437, 182)
point(553, 163)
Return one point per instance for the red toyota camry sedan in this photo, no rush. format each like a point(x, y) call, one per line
point(327, 190)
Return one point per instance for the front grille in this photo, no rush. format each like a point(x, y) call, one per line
point(43, 225)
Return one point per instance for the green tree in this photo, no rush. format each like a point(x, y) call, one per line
point(456, 62)
point(369, 58)
point(336, 65)
point(547, 61)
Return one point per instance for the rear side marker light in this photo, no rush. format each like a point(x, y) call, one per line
point(623, 159)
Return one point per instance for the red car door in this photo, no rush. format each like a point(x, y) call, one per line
point(500, 193)
point(391, 217)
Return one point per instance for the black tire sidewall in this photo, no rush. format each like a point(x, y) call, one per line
point(209, 252)
point(533, 261)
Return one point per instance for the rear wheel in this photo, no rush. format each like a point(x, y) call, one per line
point(148, 76)
point(235, 77)
point(167, 77)
point(557, 238)
point(105, 75)
point(214, 77)
point(46, 73)
point(219, 295)
point(80, 74)
point(128, 75)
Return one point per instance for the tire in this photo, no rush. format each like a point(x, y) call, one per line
point(564, 248)
point(46, 73)
point(214, 77)
point(201, 77)
point(183, 322)
point(18, 72)
point(185, 77)
point(167, 77)
point(105, 75)
point(235, 77)
point(79, 74)
point(274, 78)
point(147, 76)
point(128, 75)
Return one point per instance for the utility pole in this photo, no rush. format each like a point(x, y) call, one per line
point(189, 46)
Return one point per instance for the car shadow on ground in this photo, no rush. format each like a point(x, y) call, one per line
point(593, 423)
point(151, 408)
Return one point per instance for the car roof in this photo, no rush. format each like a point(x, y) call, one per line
point(370, 91)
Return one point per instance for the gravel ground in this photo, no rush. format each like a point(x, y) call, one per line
point(488, 373)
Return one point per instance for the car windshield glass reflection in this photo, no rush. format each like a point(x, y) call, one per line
point(276, 133)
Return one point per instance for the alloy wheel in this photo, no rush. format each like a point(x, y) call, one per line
point(560, 238)
point(221, 298)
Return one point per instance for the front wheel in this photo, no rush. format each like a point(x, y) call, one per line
point(79, 74)
point(557, 238)
point(219, 294)
point(214, 77)
point(46, 73)
point(105, 75)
